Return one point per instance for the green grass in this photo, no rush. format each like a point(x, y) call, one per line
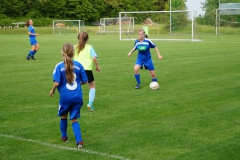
point(194, 115)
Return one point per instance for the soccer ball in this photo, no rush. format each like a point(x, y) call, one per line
point(154, 85)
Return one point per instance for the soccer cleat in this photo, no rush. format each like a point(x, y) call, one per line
point(33, 57)
point(27, 58)
point(137, 86)
point(90, 107)
point(64, 139)
point(80, 144)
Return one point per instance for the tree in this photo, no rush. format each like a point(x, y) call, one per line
point(210, 14)
point(178, 20)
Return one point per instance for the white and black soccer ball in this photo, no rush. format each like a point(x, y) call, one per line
point(154, 85)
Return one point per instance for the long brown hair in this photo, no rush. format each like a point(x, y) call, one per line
point(27, 23)
point(82, 40)
point(67, 52)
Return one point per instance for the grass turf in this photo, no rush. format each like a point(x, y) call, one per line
point(194, 114)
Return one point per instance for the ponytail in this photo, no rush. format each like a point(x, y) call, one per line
point(67, 52)
point(82, 40)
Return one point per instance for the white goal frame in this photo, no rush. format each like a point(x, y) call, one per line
point(217, 19)
point(177, 11)
point(63, 27)
point(104, 27)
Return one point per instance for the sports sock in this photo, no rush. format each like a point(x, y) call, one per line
point(77, 131)
point(137, 77)
point(92, 92)
point(34, 52)
point(63, 127)
point(30, 53)
point(154, 79)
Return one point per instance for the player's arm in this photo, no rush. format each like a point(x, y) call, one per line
point(55, 85)
point(129, 54)
point(158, 53)
point(134, 48)
point(94, 58)
point(33, 34)
point(96, 63)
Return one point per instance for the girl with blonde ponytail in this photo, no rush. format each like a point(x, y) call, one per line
point(68, 76)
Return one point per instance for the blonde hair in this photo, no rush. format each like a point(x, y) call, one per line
point(82, 40)
point(67, 52)
point(141, 30)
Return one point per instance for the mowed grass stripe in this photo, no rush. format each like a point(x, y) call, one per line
point(194, 114)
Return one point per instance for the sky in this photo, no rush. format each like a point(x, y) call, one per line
point(195, 5)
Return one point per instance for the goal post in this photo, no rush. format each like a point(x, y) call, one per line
point(111, 25)
point(228, 16)
point(183, 26)
point(67, 26)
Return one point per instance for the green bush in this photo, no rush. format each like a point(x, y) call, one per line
point(39, 22)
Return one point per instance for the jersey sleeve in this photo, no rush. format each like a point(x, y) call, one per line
point(151, 44)
point(56, 74)
point(135, 45)
point(93, 53)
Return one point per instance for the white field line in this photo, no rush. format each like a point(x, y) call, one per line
point(62, 147)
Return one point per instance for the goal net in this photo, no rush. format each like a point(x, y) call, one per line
point(228, 18)
point(111, 25)
point(67, 26)
point(161, 25)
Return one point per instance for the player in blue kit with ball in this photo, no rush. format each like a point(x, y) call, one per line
point(68, 76)
point(144, 58)
point(32, 37)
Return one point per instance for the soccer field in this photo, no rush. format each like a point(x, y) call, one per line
point(193, 116)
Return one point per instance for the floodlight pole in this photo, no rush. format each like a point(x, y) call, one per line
point(170, 17)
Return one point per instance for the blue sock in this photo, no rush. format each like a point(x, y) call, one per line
point(137, 77)
point(34, 52)
point(63, 127)
point(77, 131)
point(92, 92)
point(154, 79)
point(30, 53)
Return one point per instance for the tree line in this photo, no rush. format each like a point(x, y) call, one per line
point(210, 6)
point(87, 10)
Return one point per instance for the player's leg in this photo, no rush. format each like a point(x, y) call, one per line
point(74, 115)
point(63, 127)
point(36, 47)
point(149, 65)
point(92, 90)
point(137, 75)
point(63, 110)
point(31, 52)
point(153, 74)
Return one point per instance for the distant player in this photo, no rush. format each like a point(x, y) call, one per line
point(143, 46)
point(33, 41)
point(67, 78)
point(85, 54)
point(145, 28)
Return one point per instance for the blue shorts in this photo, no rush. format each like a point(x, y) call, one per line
point(148, 63)
point(72, 107)
point(33, 42)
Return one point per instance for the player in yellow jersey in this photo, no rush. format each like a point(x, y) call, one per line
point(85, 54)
point(145, 28)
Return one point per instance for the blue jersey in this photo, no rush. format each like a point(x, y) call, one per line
point(31, 30)
point(144, 48)
point(69, 92)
